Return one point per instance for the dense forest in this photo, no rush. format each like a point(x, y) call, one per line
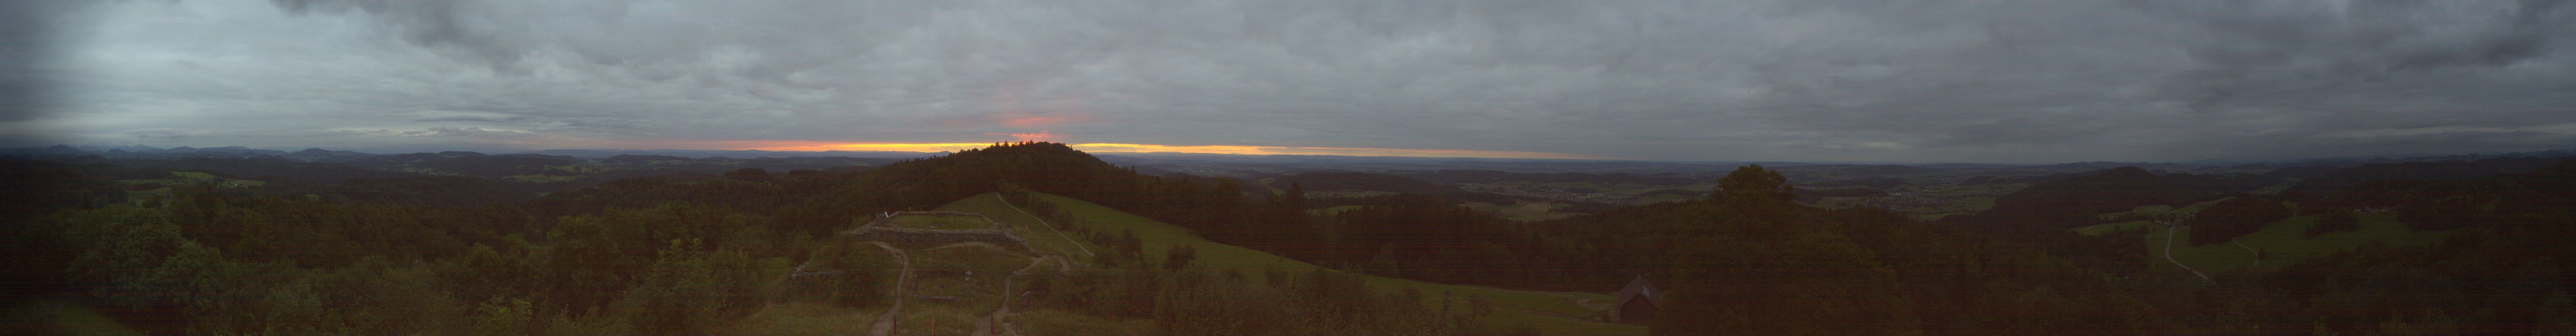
point(373, 251)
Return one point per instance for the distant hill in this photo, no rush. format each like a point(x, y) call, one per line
point(2555, 153)
point(1356, 181)
point(2443, 170)
point(708, 153)
point(262, 168)
point(1880, 183)
point(1487, 176)
point(2073, 200)
point(1820, 172)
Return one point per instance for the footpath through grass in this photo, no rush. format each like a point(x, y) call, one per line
point(2282, 243)
point(1551, 313)
point(59, 317)
point(940, 222)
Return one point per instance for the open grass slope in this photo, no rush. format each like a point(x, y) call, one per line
point(939, 222)
point(2142, 211)
point(58, 317)
point(2281, 243)
point(1524, 211)
point(1551, 313)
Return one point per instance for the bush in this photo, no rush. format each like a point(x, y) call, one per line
point(2442, 214)
point(2333, 221)
point(2234, 217)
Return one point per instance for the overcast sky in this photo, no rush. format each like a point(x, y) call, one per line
point(1792, 80)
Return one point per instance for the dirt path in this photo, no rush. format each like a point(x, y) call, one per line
point(1086, 251)
point(885, 325)
point(999, 323)
point(2258, 254)
point(2169, 235)
point(967, 244)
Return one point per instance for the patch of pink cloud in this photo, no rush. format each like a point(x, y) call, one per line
point(1039, 136)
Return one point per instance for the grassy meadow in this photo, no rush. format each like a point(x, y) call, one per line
point(1551, 313)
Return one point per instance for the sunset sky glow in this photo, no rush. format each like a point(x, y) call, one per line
point(2008, 81)
point(1198, 149)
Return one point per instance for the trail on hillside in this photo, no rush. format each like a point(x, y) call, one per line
point(967, 244)
point(999, 323)
point(1086, 251)
point(2169, 236)
point(2258, 254)
point(885, 325)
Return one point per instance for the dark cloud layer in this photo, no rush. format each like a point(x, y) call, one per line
point(1996, 81)
point(26, 48)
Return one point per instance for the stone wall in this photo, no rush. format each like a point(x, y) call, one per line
point(880, 230)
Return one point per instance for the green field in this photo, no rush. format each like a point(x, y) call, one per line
point(963, 299)
point(1524, 211)
point(1333, 210)
point(540, 178)
point(1041, 237)
point(804, 319)
point(1349, 193)
point(2282, 242)
point(1610, 191)
point(59, 317)
point(939, 222)
point(2160, 210)
point(2100, 229)
point(2141, 211)
point(1551, 313)
point(178, 178)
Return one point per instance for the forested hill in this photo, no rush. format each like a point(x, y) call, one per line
point(2073, 200)
point(675, 254)
point(820, 202)
point(2440, 170)
point(705, 254)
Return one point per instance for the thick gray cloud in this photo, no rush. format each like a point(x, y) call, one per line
point(1993, 81)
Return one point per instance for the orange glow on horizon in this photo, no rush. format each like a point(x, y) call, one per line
point(1198, 149)
point(817, 146)
point(1280, 150)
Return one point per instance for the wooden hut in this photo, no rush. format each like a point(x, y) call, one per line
point(1638, 303)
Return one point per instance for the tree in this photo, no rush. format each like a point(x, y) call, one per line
point(1752, 185)
point(748, 174)
point(2234, 217)
point(1179, 257)
point(2337, 220)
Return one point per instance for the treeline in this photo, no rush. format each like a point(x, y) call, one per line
point(1741, 262)
point(679, 254)
point(817, 202)
point(201, 263)
point(1487, 176)
point(623, 258)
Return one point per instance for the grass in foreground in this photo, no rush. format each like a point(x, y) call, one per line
point(1551, 313)
point(805, 319)
point(60, 317)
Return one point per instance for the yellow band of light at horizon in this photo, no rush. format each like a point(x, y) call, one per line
point(1198, 149)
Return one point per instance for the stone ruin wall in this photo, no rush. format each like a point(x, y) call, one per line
point(881, 229)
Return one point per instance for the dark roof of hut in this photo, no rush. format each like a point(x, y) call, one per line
point(1639, 287)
